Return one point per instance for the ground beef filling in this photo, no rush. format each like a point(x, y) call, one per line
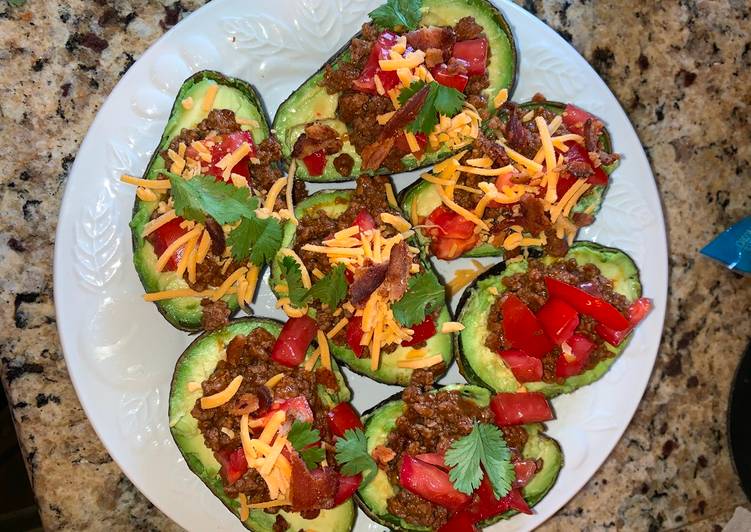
point(530, 287)
point(359, 110)
point(430, 423)
point(249, 356)
point(317, 226)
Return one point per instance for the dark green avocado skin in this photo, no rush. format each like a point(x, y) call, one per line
point(380, 420)
point(482, 367)
point(441, 12)
point(196, 364)
point(419, 190)
point(185, 313)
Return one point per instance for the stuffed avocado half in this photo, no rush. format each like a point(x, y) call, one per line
point(363, 112)
point(496, 197)
point(353, 267)
point(214, 165)
point(209, 428)
point(412, 489)
point(552, 324)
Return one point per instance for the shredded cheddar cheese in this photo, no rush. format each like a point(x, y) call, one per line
point(220, 398)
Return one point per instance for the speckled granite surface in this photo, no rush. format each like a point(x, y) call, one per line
point(681, 73)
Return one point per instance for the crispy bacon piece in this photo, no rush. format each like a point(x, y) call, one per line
point(311, 490)
point(519, 137)
point(374, 154)
point(432, 37)
point(317, 137)
point(367, 280)
point(433, 57)
point(383, 455)
point(398, 271)
point(405, 114)
point(217, 236)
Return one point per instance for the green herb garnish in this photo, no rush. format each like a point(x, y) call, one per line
point(201, 195)
point(331, 289)
point(352, 454)
point(259, 239)
point(302, 435)
point(441, 100)
point(483, 446)
point(292, 276)
point(395, 14)
point(424, 294)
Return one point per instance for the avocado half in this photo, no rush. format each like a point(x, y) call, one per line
point(196, 364)
point(334, 203)
point(481, 366)
point(380, 421)
point(185, 313)
point(310, 102)
point(427, 198)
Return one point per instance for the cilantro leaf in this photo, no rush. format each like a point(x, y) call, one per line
point(440, 100)
point(331, 289)
point(397, 14)
point(448, 101)
point(201, 195)
point(312, 456)
point(352, 454)
point(407, 92)
point(424, 295)
point(301, 435)
point(291, 273)
point(483, 446)
point(257, 238)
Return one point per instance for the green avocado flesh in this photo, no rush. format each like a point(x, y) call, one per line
point(427, 198)
point(481, 366)
point(185, 312)
point(310, 102)
point(381, 420)
point(196, 364)
point(334, 203)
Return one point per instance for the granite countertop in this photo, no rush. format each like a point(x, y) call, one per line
point(678, 71)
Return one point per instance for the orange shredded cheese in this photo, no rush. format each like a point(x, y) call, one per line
point(220, 398)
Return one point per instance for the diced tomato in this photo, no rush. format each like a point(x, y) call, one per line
point(524, 367)
point(354, 335)
point(524, 471)
point(431, 483)
point(581, 348)
point(574, 118)
point(455, 81)
point(587, 304)
point(462, 521)
point(365, 221)
point(565, 182)
point(490, 506)
point(522, 329)
point(577, 152)
point(315, 162)
point(296, 407)
point(346, 488)
point(163, 237)
point(234, 465)
point(343, 417)
point(452, 248)
point(403, 146)
point(520, 408)
point(636, 312)
point(451, 234)
point(422, 332)
point(436, 459)
point(380, 50)
point(229, 144)
point(474, 52)
point(293, 341)
point(449, 223)
point(558, 319)
point(349, 276)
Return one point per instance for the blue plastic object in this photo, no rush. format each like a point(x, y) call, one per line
point(732, 247)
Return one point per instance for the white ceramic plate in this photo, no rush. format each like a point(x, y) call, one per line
point(120, 352)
